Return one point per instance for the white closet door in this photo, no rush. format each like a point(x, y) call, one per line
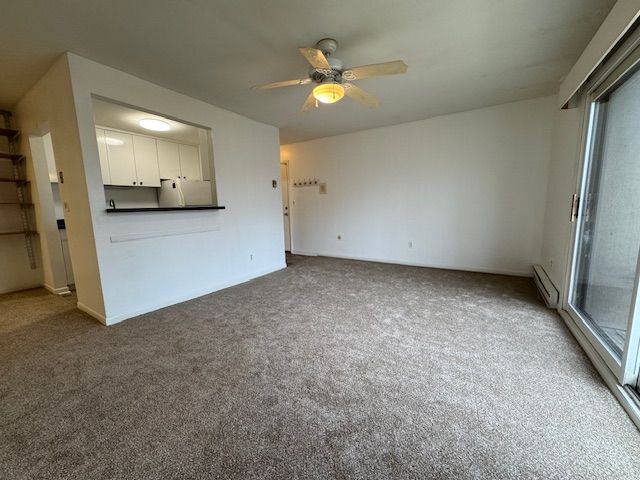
point(190, 162)
point(121, 159)
point(102, 154)
point(168, 159)
point(146, 155)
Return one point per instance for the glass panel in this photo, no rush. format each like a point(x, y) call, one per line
point(609, 238)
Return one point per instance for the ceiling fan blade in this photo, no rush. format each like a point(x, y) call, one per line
point(315, 57)
point(358, 94)
point(388, 68)
point(284, 83)
point(309, 103)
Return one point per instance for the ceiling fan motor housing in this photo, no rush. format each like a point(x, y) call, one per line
point(318, 75)
point(328, 46)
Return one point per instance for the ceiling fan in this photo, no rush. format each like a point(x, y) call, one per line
point(333, 79)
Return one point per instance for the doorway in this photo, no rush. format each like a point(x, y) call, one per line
point(58, 272)
point(284, 183)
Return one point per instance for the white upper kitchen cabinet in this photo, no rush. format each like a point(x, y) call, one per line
point(168, 159)
point(102, 154)
point(190, 162)
point(177, 160)
point(121, 158)
point(136, 160)
point(146, 161)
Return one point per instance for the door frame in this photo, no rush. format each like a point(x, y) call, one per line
point(55, 280)
point(626, 368)
point(285, 185)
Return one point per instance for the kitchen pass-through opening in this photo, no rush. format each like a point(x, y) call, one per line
point(150, 160)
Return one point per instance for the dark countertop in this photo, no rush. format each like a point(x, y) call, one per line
point(163, 209)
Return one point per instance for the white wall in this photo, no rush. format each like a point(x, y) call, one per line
point(188, 253)
point(48, 107)
point(563, 170)
point(467, 190)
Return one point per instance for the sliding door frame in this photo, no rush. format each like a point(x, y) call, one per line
point(625, 367)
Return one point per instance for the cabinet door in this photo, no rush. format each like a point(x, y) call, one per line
point(121, 160)
point(146, 155)
point(190, 162)
point(102, 154)
point(168, 159)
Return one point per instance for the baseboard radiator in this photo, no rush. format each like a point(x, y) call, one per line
point(547, 289)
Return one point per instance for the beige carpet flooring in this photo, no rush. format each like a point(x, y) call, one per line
point(328, 369)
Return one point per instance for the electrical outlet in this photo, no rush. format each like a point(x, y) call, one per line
point(251, 256)
point(410, 244)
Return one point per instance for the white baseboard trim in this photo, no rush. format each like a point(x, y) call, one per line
point(93, 313)
point(513, 273)
point(58, 291)
point(305, 254)
point(112, 320)
point(624, 396)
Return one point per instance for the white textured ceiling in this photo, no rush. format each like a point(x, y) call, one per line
point(107, 114)
point(462, 54)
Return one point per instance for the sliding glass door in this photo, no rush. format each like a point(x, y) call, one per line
point(603, 291)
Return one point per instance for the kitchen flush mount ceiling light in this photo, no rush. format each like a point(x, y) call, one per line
point(328, 92)
point(154, 124)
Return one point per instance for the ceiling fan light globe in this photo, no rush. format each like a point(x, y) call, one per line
point(328, 92)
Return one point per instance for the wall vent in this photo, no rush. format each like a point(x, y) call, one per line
point(547, 289)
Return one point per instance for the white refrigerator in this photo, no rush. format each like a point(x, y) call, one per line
point(185, 193)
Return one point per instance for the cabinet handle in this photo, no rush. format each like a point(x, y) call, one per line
point(140, 183)
point(134, 183)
